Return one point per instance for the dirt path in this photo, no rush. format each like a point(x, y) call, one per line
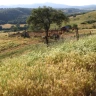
point(18, 50)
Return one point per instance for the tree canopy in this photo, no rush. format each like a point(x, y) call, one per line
point(44, 17)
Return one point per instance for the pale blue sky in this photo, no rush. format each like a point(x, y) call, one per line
point(67, 2)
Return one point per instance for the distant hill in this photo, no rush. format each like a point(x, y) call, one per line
point(73, 11)
point(86, 20)
point(86, 7)
point(19, 15)
point(14, 15)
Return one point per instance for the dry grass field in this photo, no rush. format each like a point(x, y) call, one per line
point(63, 69)
point(66, 68)
point(82, 18)
point(11, 44)
point(9, 25)
point(14, 43)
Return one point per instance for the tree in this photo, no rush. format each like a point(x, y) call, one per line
point(25, 27)
point(75, 26)
point(18, 26)
point(44, 17)
point(13, 28)
point(0, 27)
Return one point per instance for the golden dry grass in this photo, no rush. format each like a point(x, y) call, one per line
point(10, 43)
point(6, 25)
point(9, 25)
point(67, 69)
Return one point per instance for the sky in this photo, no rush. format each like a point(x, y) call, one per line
point(67, 2)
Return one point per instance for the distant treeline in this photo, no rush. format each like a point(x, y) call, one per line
point(19, 15)
point(14, 15)
point(73, 11)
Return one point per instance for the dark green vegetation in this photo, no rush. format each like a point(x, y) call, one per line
point(19, 15)
point(73, 11)
point(14, 15)
point(44, 17)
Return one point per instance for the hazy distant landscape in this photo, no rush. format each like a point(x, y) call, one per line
point(20, 12)
point(15, 15)
point(86, 7)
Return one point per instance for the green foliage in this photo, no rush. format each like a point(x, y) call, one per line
point(14, 15)
point(0, 27)
point(74, 26)
point(43, 17)
point(2, 22)
point(17, 27)
point(89, 22)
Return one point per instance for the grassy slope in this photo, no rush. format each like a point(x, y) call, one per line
point(64, 69)
point(85, 17)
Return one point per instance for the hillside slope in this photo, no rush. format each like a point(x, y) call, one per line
point(87, 19)
point(14, 15)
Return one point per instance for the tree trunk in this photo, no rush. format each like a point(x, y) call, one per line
point(46, 38)
point(77, 34)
